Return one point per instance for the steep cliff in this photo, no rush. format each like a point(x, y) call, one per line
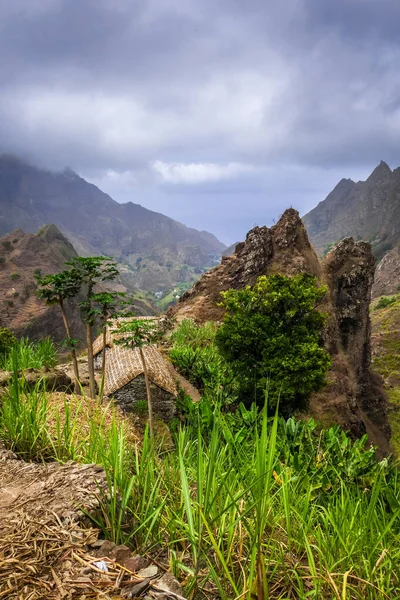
point(354, 397)
point(284, 248)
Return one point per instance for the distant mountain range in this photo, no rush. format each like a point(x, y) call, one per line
point(367, 210)
point(159, 251)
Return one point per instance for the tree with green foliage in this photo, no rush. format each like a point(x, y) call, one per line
point(271, 336)
point(56, 289)
point(138, 333)
point(106, 304)
point(90, 271)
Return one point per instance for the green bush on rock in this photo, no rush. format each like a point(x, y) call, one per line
point(271, 338)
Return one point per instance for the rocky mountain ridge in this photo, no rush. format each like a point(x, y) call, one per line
point(354, 396)
point(159, 251)
point(367, 210)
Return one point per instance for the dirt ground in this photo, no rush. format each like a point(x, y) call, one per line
point(48, 550)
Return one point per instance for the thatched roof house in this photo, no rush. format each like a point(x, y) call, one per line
point(124, 377)
point(124, 364)
point(110, 337)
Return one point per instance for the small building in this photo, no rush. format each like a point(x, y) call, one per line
point(125, 382)
point(124, 379)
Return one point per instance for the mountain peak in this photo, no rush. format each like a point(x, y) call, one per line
point(368, 211)
point(382, 171)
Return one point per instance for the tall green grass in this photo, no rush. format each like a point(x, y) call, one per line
point(247, 505)
point(30, 355)
point(243, 515)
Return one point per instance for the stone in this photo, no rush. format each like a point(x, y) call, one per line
point(135, 563)
point(136, 590)
point(150, 571)
point(120, 554)
point(164, 403)
point(54, 380)
point(106, 549)
point(169, 583)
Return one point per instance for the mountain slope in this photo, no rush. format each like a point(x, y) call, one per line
point(385, 341)
point(160, 251)
point(387, 274)
point(368, 210)
point(22, 255)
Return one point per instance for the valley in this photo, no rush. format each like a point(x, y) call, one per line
point(276, 398)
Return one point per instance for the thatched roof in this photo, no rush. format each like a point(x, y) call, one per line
point(98, 342)
point(124, 364)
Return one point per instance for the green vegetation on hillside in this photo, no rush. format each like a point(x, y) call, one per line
point(270, 339)
point(246, 505)
point(30, 355)
point(385, 317)
point(196, 356)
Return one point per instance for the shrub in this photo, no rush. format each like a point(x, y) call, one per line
point(2, 260)
point(7, 341)
point(15, 276)
point(196, 356)
point(271, 337)
point(385, 301)
point(7, 245)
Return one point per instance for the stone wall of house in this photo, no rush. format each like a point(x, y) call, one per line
point(98, 360)
point(164, 403)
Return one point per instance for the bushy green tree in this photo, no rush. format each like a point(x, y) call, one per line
point(271, 336)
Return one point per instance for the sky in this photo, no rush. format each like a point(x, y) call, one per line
point(218, 113)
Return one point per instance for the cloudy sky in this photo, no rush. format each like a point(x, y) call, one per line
point(219, 113)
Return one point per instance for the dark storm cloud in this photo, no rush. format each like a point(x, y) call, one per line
point(220, 113)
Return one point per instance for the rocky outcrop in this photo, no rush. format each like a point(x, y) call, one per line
point(283, 248)
point(354, 396)
point(52, 380)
